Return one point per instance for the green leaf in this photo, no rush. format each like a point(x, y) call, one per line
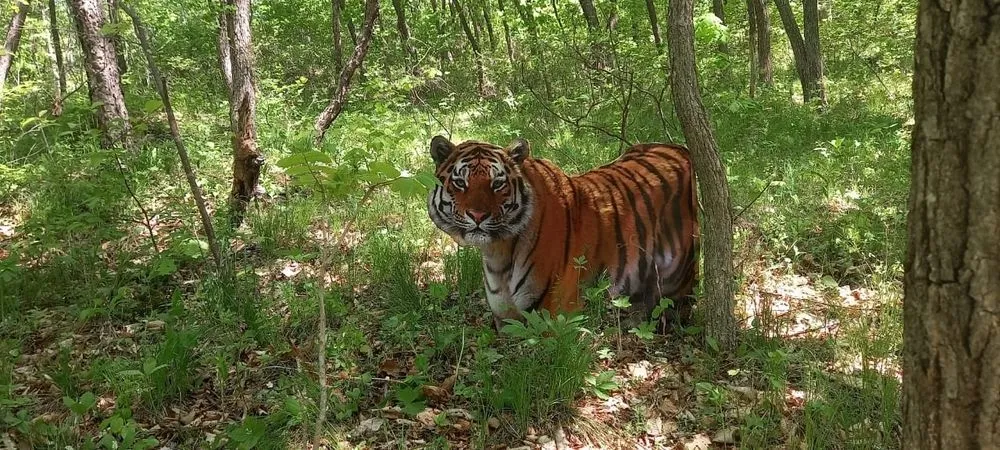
point(152, 106)
point(408, 187)
point(385, 169)
point(163, 266)
point(621, 302)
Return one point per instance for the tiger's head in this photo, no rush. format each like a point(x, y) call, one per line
point(483, 196)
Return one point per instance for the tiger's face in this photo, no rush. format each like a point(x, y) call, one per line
point(483, 196)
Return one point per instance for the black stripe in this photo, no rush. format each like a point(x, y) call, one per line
point(486, 281)
point(541, 296)
point(527, 272)
point(623, 252)
point(644, 255)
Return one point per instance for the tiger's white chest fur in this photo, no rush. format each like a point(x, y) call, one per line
point(510, 285)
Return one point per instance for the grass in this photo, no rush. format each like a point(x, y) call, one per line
point(160, 337)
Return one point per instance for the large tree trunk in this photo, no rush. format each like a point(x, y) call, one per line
point(654, 23)
point(404, 32)
point(590, 14)
point(339, 99)
point(100, 63)
point(247, 158)
point(717, 305)
point(808, 65)
point(760, 25)
point(338, 46)
point(951, 339)
point(12, 41)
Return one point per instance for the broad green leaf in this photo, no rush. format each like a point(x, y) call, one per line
point(384, 168)
point(152, 106)
point(407, 186)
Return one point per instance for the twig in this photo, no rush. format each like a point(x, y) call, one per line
point(145, 214)
point(747, 207)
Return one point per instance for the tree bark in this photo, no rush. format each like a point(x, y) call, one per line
point(336, 105)
point(338, 47)
point(590, 14)
point(810, 69)
point(654, 23)
point(404, 31)
point(951, 311)
point(247, 158)
point(760, 17)
point(12, 41)
point(100, 63)
point(717, 305)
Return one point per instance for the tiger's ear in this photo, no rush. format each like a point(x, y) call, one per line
point(519, 150)
point(441, 149)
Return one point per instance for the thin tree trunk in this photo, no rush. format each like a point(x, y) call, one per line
point(161, 88)
point(762, 27)
point(338, 47)
point(719, 9)
point(654, 23)
point(404, 32)
point(752, 41)
point(717, 304)
point(487, 19)
point(810, 75)
point(104, 81)
point(339, 99)
point(57, 53)
point(506, 34)
point(951, 311)
point(474, 43)
point(590, 15)
point(225, 55)
point(247, 158)
point(116, 37)
point(12, 41)
point(814, 53)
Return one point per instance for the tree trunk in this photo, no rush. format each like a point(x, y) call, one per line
point(12, 41)
point(717, 305)
point(489, 26)
point(100, 63)
point(761, 24)
point(336, 105)
point(590, 14)
point(247, 158)
point(814, 55)
point(116, 37)
point(338, 47)
point(951, 333)
point(810, 74)
point(476, 50)
point(506, 34)
point(404, 32)
point(57, 54)
point(654, 23)
point(719, 9)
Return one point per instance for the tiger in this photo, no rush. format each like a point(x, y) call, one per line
point(542, 233)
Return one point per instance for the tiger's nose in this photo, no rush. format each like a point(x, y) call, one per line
point(478, 216)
